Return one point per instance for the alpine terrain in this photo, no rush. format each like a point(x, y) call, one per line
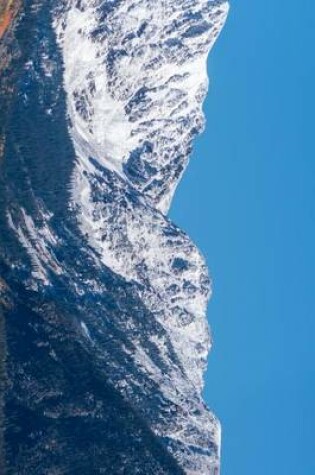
point(103, 330)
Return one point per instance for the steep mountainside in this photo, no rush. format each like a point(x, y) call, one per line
point(102, 298)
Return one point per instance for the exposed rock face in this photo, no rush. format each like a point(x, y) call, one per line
point(8, 11)
point(104, 299)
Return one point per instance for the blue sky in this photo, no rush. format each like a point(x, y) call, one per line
point(247, 200)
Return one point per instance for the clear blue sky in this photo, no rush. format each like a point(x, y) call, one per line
point(247, 200)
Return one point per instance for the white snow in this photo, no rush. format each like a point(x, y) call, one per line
point(143, 80)
point(37, 241)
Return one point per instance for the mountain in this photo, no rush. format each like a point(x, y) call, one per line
point(104, 335)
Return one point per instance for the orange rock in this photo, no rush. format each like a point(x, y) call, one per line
point(5, 22)
point(8, 10)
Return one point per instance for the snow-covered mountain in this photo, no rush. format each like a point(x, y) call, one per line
point(105, 99)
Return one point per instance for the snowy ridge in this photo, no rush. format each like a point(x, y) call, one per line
point(135, 79)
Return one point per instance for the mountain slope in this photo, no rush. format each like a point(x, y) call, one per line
point(104, 298)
